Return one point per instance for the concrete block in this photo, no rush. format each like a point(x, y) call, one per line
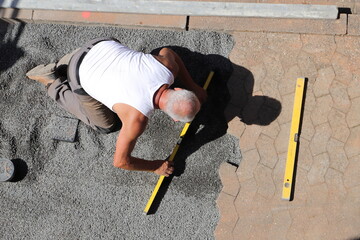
point(165, 21)
point(63, 128)
point(186, 8)
point(354, 25)
point(310, 26)
point(12, 13)
point(229, 179)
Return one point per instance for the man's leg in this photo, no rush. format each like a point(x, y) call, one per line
point(54, 79)
point(60, 92)
point(100, 116)
point(85, 108)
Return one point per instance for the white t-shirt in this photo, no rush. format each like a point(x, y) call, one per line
point(112, 73)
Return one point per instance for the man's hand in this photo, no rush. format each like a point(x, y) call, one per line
point(165, 168)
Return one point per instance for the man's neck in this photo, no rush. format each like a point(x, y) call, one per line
point(159, 96)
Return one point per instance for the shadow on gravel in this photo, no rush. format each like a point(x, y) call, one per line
point(212, 120)
point(83, 193)
point(21, 169)
point(9, 38)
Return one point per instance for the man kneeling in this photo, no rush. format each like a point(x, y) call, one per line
point(107, 86)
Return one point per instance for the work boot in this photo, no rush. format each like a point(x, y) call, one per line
point(44, 74)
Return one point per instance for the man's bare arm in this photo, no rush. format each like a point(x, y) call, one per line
point(133, 125)
point(175, 64)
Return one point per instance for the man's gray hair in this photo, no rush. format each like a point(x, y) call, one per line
point(182, 105)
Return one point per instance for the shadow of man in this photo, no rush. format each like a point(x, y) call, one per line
point(258, 110)
point(231, 85)
point(230, 95)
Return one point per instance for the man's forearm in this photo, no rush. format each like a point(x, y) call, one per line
point(137, 164)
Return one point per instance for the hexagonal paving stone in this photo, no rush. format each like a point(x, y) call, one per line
point(299, 224)
point(274, 69)
point(281, 225)
point(248, 164)
point(247, 51)
point(321, 47)
point(236, 127)
point(263, 176)
point(340, 129)
point(259, 73)
point(347, 46)
point(287, 108)
point(338, 158)
point(305, 158)
point(310, 100)
point(267, 151)
point(307, 127)
point(269, 87)
point(323, 106)
point(263, 220)
point(335, 215)
point(335, 183)
point(318, 196)
point(351, 175)
point(228, 214)
point(318, 225)
point(323, 81)
point(279, 170)
point(353, 116)
point(307, 66)
point(318, 169)
point(320, 140)
point(352, 145)
point(246, 194)
point(354, 86)
point(243, 228)
point(249, 137)
point(223, 232)
point(229, 179)
point(288, 45)
point(341, 100)
point(301, 188)
point(342, 68)
point(282, 140)
point(272, 130)
point(288, 84)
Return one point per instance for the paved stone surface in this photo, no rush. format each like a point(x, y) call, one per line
point(327, 176)
point(268, 57)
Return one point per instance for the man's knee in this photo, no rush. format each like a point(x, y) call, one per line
point(114, 127)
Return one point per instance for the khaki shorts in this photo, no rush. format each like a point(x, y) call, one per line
point(68, 93)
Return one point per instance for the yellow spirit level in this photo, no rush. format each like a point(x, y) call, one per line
point(293, 140)
point(182, 134)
